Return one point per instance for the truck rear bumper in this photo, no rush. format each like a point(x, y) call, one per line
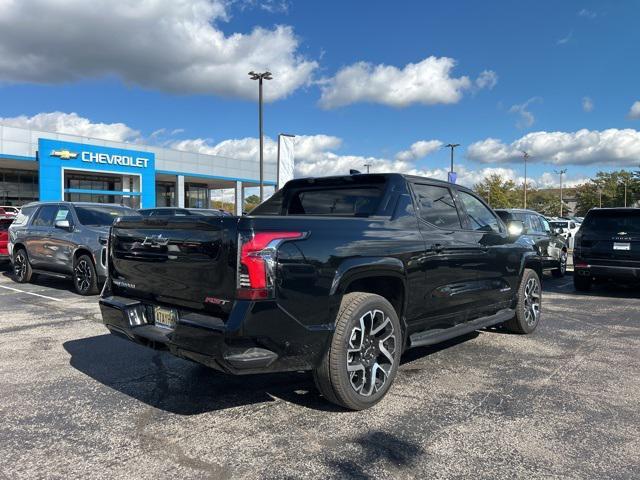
point(256, 338)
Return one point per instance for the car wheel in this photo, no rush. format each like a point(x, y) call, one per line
point(362, 360)
point(84, 276)
point(22, 271)
point(581, 283)
point(529, 304)
point(562, 268)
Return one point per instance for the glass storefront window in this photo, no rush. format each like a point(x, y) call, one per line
point(18, 187)
point(165, 194)
point(196, 195)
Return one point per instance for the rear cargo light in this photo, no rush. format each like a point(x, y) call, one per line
point(256, 265)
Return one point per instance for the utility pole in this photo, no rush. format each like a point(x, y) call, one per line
point(600, 197)
point(367, 165)
point(526, 156)
point(260, 77)
point(561, 172)
point(625, 191)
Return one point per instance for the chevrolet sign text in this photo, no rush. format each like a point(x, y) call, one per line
point(122, 160)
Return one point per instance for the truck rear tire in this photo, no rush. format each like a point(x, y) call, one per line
point(362, 360)
point(529, 303)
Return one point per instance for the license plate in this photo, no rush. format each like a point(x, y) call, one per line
point(621, 246)
point(165, 317)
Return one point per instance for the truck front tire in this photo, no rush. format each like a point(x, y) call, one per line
point(362, 360)
point(529, 303)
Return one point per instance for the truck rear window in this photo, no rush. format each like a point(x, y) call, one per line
point(352, 201)
point(604, 221)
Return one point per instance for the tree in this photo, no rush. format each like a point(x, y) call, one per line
point(546, 202)
point(251, 202)
point(609, 188)
point(497, 192)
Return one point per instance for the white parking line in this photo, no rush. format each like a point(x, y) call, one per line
point(31, 293)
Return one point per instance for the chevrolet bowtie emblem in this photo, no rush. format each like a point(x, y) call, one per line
point(64, 154)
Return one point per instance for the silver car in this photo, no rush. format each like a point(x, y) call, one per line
point(63, 239)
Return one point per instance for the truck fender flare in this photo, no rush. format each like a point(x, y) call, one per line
point(361, 267)
point(531, 259)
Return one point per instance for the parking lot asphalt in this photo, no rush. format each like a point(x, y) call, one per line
point(563, 402)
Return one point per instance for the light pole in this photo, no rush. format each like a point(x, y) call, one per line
point(367, 165)
point(452, 146)
point(260, 77)
point(561, 172)
point(526, 156)
point(600, 197)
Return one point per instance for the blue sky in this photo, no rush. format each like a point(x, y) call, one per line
point(545, 64)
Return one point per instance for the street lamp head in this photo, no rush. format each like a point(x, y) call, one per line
point(260, 76)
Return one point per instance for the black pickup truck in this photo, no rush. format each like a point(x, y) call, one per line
point(337, 275)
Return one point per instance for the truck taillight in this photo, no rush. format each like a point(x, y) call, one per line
point(257, 262)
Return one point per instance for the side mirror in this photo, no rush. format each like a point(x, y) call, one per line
point(63, 224)
point(515, 228)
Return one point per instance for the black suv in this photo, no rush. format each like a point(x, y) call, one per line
point(607, 247)
point(336, 275)
point(548, 241)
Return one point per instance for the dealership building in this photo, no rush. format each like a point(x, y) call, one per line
point(46, 166)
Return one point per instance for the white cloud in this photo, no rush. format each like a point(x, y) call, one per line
point(73, 124)
point(587, 104)
point(170, 45)
point(316, 157)
point(565, 39)
point(525, 117)
point(634, 111)
point(419, 149)
point(427, 82)
point(587, 13)
point(615, 147)
point(487, 79)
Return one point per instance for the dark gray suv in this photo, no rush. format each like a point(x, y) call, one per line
point(63, 239)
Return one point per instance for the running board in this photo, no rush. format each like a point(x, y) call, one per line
point(52, 274)
point(429, 337)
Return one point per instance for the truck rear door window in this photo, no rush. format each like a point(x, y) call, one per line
point(343, 202)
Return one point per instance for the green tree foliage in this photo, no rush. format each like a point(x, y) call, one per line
point(607, 190)
point(546, 202)
point(251, 202)
point(498, 192)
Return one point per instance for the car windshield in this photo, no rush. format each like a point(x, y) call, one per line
point(102, 216)
point(613, 221)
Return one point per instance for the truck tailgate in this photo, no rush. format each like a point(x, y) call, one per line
point(183, 261)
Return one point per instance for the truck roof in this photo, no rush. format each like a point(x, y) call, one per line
point(368, 178)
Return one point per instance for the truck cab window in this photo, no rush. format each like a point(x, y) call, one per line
point(436, 206)
point(480, 217)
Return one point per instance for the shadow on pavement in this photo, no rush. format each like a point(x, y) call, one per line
point(376, 447)
point(186, 388)
point(182, 387)
point(41, 280)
